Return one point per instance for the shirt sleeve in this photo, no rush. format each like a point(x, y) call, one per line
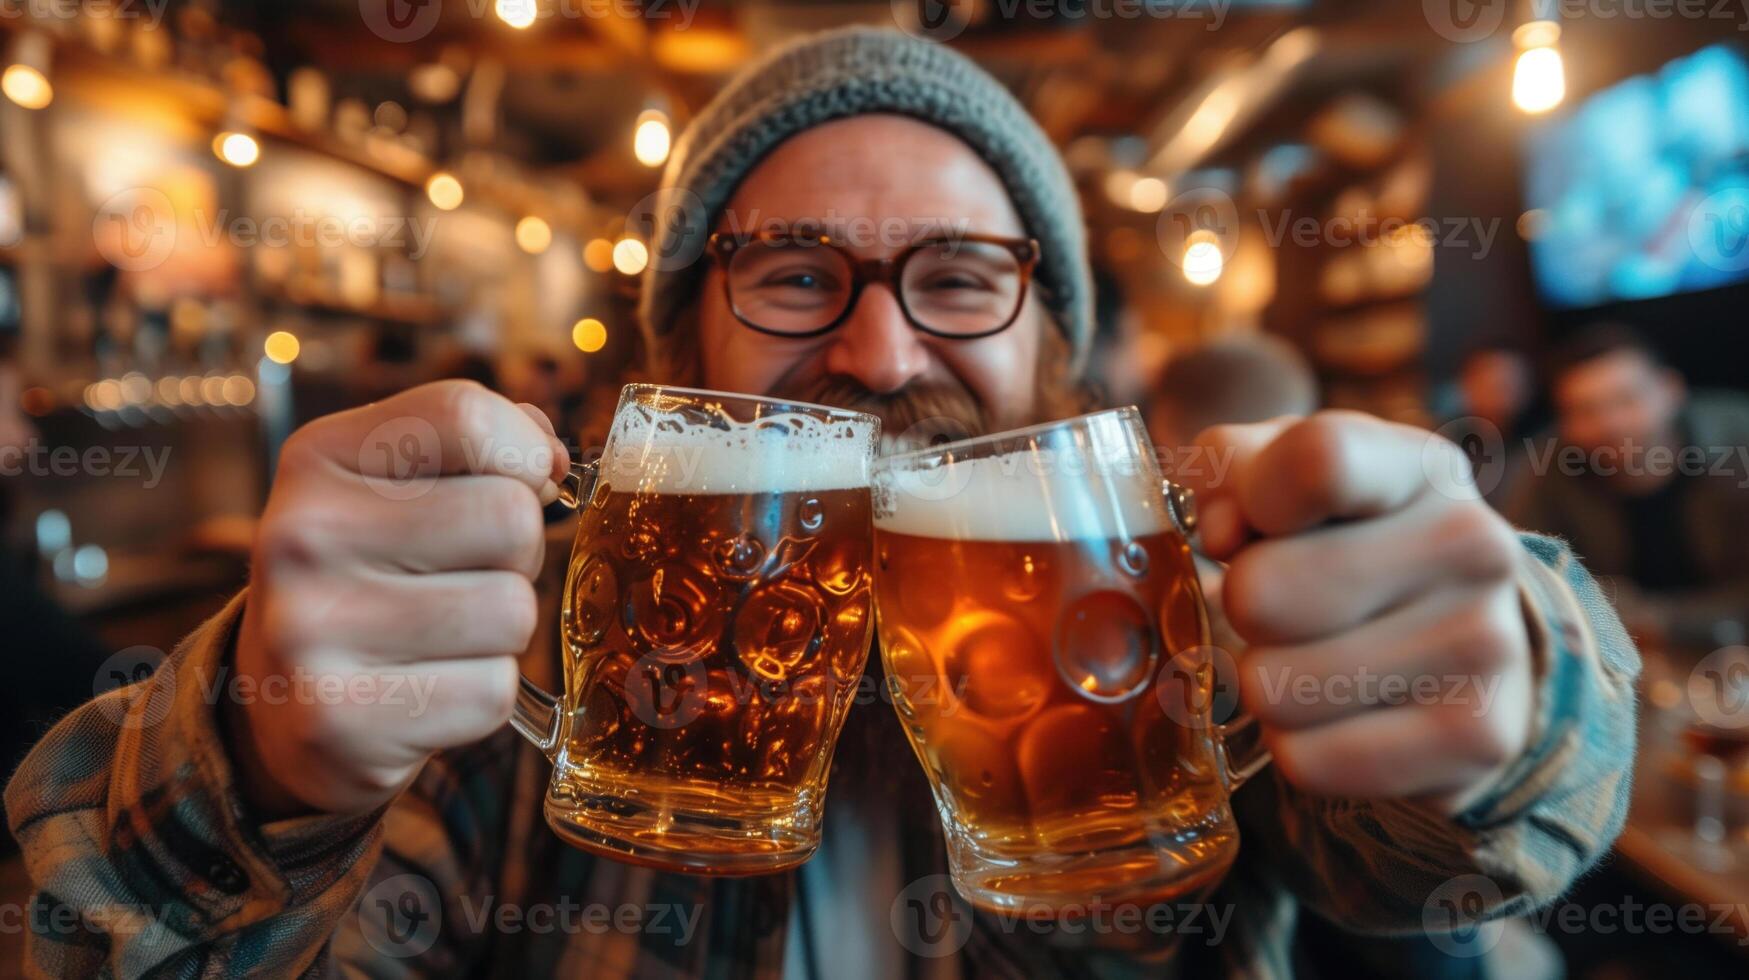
point(142, 855)
point(1390, 866)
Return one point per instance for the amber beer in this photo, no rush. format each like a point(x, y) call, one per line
point(1038, 581)
point(716, 620)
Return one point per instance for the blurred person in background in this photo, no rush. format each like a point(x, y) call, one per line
point(1248, 377)
point(1496, 384)
point(1649, 482)
point(1492, 402)
point(252, 830)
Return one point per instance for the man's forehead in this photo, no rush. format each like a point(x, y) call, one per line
point(874, 168)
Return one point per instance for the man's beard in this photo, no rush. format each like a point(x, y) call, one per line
point(917, 416)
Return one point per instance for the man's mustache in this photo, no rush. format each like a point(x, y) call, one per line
point(919, 415)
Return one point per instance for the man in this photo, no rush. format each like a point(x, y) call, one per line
point(1650, 484)
point(249, 832)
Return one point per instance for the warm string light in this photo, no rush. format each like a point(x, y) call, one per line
point(1203, 260)
point(1539, 79)
point(590, 335)
point(519, 14)
point(445, 191)
point(630, 256)
point(533, 235)
point(652, 139)
point(27, 87)
point(237, 149)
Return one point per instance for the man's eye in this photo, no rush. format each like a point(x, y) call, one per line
point(955, 280)
point(797, 279)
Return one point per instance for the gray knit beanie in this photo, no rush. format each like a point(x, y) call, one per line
point(849, 72)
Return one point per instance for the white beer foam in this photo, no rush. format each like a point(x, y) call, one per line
point(659, 452)
point(1023, 496)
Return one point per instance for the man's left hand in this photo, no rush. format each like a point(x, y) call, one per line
point(1388, 654)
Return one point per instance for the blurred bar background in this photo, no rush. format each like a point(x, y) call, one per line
point(221, 219)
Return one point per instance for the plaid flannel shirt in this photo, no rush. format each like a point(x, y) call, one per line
point(146, 861)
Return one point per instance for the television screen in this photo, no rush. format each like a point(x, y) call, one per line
point(1643, 189)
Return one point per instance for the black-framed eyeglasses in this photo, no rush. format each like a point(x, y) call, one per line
point(961, 287)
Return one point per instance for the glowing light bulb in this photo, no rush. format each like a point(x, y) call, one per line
point(1539, 80)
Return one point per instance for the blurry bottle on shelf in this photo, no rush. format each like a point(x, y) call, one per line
point(307, 97)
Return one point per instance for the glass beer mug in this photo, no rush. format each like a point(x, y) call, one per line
point(1047, 649)
point(716, 620)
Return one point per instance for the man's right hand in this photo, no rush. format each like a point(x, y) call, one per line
point(391, 594)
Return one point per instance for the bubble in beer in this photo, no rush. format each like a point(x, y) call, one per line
point(1026, 577)
point(739, 557)
point(1105, 646)
point(673, 613)
point(1133, 558)
point(997, 666)
point(777, 629)
point(811, 514)
point(594, 597)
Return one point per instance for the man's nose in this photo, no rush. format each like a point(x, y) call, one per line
point(876, 345)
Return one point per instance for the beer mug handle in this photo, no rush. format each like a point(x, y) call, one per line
point(1239, 744)
point(537, 713)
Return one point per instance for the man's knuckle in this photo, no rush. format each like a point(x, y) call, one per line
point(465, 408)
